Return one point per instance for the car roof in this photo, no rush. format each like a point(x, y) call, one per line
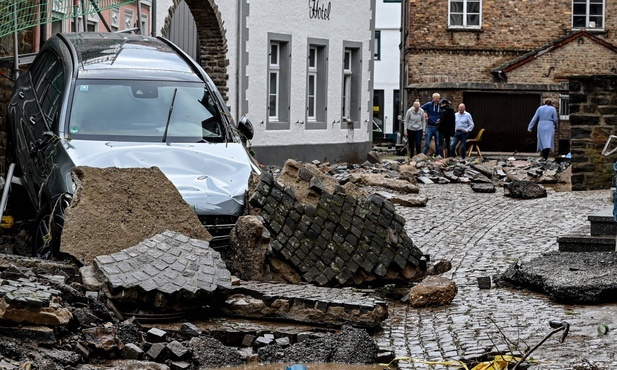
point(128, 56)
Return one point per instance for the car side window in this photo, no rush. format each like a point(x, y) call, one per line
point(51, 99)
point(48, 82)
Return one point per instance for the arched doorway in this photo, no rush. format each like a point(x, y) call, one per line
point(212, 53)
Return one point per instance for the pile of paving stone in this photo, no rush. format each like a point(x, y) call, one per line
point(339, 239)
point(95, 333)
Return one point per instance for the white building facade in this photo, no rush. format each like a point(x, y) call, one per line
point(302, 71)
point(386, 94)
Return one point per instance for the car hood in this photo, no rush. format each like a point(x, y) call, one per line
point(212, 178)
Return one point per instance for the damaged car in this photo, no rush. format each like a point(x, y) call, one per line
point(120, 100)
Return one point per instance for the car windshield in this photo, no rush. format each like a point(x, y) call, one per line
point(150, 111)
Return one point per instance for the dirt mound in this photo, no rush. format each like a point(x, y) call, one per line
point(114, 209)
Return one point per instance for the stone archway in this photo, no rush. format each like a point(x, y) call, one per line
point(211, 33)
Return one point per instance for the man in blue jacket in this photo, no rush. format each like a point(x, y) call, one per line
point(432, 108)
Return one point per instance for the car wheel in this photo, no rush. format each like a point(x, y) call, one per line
point(48, 227)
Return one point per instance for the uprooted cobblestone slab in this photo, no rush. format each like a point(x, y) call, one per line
point(339, 239)
point(168, 270)
point(305, 303)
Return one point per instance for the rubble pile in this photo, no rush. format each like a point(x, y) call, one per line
point(331, 237)
point(95, 336)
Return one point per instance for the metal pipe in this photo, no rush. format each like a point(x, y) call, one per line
point(139, 17)
point(84, 17)
point(403, 76)
point(15, 44)
point(153, 19)
point(98, 11)
point(7, 187)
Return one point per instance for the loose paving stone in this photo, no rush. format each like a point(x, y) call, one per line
point(482, 235)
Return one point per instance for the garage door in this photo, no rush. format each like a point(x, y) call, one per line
point(505, 118)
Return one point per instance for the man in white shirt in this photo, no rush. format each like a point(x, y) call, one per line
point(462, 127)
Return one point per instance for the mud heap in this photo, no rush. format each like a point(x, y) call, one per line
point(331, 234)
point(114, 209)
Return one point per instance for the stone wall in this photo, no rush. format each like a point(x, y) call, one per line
point(506, 25)
point(437, 53)
point(6, 85)
point(593, 117)
point(212, 40)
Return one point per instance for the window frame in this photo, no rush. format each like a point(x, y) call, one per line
point(588, 15)
point(377, 45)
point(282, 69)
point(319, 72)
point(564, 107)
point(465, 15)
point(351, 93)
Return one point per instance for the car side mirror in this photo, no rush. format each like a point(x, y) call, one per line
point(246, 128)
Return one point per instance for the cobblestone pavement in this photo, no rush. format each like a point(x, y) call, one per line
point(482, 234)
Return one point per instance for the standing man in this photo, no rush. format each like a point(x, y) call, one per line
point(415, 123)
point(432, 108)
point(462, 127)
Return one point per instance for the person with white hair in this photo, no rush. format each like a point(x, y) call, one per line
point(546, 118)
point(415, 124)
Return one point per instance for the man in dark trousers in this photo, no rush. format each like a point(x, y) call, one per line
point(446, 127)
point(433, 109)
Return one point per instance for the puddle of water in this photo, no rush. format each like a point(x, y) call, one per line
point(308, 367)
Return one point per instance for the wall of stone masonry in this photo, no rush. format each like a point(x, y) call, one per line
point(6, 85)
point(593, 117)
point(212, 40)
point(436, 53)
point(342, 240)
point(506, 25)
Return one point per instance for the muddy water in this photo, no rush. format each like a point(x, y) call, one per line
point(308, 367)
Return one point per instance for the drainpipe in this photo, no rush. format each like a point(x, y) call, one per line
point(403, 72)
point(239, 66)
point(153, 18)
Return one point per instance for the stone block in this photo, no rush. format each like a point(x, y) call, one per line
point(131, 351)
point(158, 352)
point(177, 350)
point(156, 335)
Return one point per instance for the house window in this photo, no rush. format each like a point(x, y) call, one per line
point(128, 19)
point(278, 81)
point(351, 86)
point(144, 24)
point(564, 107)
point(588, 14)
point(317, 82)
point(377, 50)
point(273, 90)
point(465, 13)
point(115, 19)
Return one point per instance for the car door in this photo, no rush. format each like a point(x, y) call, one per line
point(47, 85)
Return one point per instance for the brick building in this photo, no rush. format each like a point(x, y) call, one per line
point(503, 58)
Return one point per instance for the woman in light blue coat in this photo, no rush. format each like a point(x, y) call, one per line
point(546, 118)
